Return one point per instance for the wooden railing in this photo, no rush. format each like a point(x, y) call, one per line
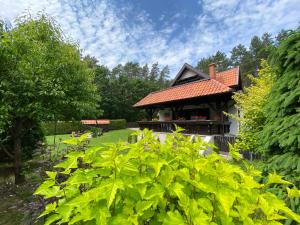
point(203, 127)
point(222, 142)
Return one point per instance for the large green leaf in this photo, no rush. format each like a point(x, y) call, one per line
point(174, 218)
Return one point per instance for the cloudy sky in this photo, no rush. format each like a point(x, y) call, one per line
point(168, 31)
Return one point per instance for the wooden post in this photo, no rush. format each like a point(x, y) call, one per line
point(149, 112)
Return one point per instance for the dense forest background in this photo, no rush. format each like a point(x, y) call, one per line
point(123, 85)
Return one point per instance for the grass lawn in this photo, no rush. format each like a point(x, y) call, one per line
point(108, 137)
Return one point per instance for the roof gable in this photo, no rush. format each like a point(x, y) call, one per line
point(188, 72)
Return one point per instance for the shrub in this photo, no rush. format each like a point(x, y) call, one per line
point(117, 124)
point(251, 103)
point(288, 166)
point(62, 127)
point(152, 183)
point(96, 131)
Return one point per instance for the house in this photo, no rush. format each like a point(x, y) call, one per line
point(194, 101)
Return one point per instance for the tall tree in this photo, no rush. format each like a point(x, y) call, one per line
point(260, 49)
point(241, 57)
point(131, 70)
point(91, 61)
point(154, 72)
point(164, 76)
point(203, 64)
point(42, 77)
point(220, 59)
point(145, 72)
point(281, 132)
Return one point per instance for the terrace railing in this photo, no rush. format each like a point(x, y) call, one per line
point(202, 127)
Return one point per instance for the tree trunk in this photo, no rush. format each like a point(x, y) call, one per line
point(17, 138)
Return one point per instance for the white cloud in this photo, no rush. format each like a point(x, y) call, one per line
point(117, 35)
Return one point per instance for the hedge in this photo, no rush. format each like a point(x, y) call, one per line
point(117, 124)
point(62, 127)
point(67, 127)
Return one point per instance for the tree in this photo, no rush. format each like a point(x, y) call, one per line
point(154, 72)
point(250, 103)
point(42, 78)
point(280, 137)
point(220, 59)
point(145, 72)
point(91, 61)
point(124, 85)
point(131, 70)
point(203, 64)
point(281, 133)
point(260, 49)
point(282, 35)
point(164, 76)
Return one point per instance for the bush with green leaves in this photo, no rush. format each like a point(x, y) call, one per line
point(251, 103)
point(63, 127)
point(117, 124)
point(152, 183)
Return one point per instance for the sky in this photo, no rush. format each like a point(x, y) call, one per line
point(170, 32)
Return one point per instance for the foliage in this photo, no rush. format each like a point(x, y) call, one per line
point(288, 166)
point(31, 141)
point(62, 127)
point(280, 135)
point(281, 132)
point(117, 124)
point(41, 74)
point(96, 131)
point(250, 103)
point(152, 183)
point(220, 59)
point(248, 59)
point(42, 77)
point(124, 85)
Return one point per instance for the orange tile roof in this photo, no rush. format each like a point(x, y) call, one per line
point(94, 122)
point(229, 77)
point(184, 91)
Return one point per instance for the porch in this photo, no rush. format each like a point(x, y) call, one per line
point(201, 127)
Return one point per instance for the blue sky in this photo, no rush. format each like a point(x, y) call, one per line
point(171, 32)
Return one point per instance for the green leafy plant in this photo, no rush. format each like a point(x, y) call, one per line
point(62, 127)
point(250, 103)
point(281, 132)
point(152, 183)
point(117, 124)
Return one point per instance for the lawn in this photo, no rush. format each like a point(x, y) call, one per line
point(108, 137)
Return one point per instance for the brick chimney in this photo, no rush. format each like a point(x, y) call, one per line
point(212, 71)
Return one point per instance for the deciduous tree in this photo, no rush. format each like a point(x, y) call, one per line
point(42, 77)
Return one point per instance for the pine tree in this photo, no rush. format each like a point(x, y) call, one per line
point(220, 59)
point(145, 72)
point(154, 73)
point(164, 76)
point(281, 132)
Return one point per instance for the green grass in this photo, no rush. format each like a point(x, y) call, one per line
point(108, 137)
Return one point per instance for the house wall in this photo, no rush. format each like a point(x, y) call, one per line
point(234, 125)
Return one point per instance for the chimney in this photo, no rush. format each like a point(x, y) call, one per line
point(212, 71)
